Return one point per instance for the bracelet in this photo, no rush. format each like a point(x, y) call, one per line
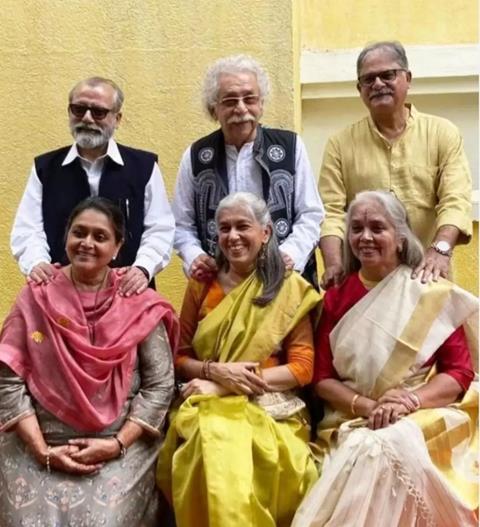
point(47, 459)
point(352, 404)
point(205, 374)
point(144, 271)
point(415, 400)
point(123, 448)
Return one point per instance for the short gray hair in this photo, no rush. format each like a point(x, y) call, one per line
point(393, 46)
point(231, 65)
point(271, 271)
point(412, 250)
point(98, 81)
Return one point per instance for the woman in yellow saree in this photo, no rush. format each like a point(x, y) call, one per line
point(236, 452)
point(393, 365)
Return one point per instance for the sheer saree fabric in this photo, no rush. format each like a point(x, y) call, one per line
point(423, 469)
point(225, 462)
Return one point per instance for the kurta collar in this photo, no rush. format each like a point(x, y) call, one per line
point(112, 152)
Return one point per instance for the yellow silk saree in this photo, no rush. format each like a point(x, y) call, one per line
point(421, 471)
point(225, 461)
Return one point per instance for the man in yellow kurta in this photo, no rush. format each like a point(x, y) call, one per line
point(418, 157)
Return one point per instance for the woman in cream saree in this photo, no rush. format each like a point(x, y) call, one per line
point(399, 432)
point(236, 452)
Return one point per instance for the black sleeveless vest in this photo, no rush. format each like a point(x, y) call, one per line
point(66, 186)
point(274, 151)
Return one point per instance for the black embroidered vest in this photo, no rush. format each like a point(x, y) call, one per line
point(274, 151)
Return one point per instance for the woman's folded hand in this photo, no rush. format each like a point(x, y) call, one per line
point(239, 377)
point(95, 450)
point(202, 387)
point(400, 396)
point(61, 459)
point(385, 414)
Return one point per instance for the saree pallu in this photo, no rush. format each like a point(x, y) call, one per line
point(225, 462)
point(421, 471)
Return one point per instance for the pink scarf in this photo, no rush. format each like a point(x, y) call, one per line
point(46, 341)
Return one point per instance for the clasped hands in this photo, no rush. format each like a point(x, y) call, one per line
point(390, 407)
point(82, 456)
point(238, 378)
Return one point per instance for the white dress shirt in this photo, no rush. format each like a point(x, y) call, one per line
point(244, 174)
point(28, 240)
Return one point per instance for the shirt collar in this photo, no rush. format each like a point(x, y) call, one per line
point(112, 152)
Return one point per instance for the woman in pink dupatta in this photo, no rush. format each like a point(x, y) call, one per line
point(86, 379)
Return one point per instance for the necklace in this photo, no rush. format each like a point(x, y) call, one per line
point(368, 284)
point(93, 319)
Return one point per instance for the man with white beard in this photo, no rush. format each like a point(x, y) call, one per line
point(243, 155)
point(95, 165)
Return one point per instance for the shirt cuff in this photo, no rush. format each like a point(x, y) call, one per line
point(461, 221)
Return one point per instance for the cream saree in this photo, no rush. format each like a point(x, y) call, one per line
point(225, 462)
point(423, 469)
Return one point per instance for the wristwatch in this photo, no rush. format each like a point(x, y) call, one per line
point(442, 247)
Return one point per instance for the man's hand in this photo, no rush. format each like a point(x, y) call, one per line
point(43, 272)
point(432, 266)
point(333, 275)
point(203, 268)
point(95, 450)
point(133, 281)
point(288, 261)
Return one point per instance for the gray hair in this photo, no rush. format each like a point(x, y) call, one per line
point(231, 65)
point(270, 270)
point(98, 81)
point(412, 250)
point(393, 46)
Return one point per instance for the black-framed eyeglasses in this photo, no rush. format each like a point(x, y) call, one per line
point(98, 113)
point(385, 76)
point(248, 100)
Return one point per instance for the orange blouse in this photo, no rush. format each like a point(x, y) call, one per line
point(297, 346)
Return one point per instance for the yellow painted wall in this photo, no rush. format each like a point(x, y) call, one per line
point(157, 50)
point(331, 24)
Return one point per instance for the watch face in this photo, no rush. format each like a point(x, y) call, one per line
point(443, 246)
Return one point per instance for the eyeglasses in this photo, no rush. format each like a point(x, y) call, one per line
point(385, 76)
point(232, 102)
point(79, 110)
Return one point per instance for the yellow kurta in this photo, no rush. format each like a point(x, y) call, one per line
point(426, 168)
point(225, 461)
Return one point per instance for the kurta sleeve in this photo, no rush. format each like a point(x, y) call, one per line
point(15, 401)
point(332, 190)
point(454, 183)
point(298, 345)
point(150, 406)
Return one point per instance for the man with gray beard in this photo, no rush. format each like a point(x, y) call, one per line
point(95, 165)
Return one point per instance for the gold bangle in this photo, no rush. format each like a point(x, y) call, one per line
point(47, 459)
point(352, 404)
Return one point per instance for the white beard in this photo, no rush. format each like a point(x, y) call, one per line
point(90, 139)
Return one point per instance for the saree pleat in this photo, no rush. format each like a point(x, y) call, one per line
point(225, 462)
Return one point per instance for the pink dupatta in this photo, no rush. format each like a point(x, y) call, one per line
point(45, 340)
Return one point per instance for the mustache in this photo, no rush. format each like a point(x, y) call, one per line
point(381, 93)
point(87, 128)
point(237, 119)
